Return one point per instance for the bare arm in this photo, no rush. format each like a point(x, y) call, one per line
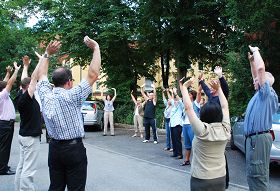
point(252, 65)
point(115, 94)
point(52, 48)
point(102, 96)
point(13, 78)
point(143, 93)
point(34, 77)
point(259, 65)
point(187, 101)
point(198, 96)
point(8, 73)
point(95, 64)
point(133, 98)
point(155, 94)
point(163, 95)
point(26, 63)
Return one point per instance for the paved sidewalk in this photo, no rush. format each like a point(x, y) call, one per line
point(109, 170)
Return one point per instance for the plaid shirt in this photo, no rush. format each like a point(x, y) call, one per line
point(62, 109)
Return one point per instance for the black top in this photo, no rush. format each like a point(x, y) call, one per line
point(150, 109)
point(207, 91)
point(30, 116)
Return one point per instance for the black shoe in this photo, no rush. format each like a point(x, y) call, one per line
point(185, 163)
point(180, 157)
point(173, 155)
point(8, 172)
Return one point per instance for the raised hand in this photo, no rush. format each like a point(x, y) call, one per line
point(92, 44)
point(215, 84)
point(189, 83)
point(53, 47)
point(253, 49)
point(142, 85)
point(218, 71)
point(9, 69)
point(26, 60)
point(201, 76)
point(16, 66)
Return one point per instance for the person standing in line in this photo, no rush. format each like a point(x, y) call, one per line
point(167, 113)
point(187, 128)
point(258, 122)
point(150, 114)
point(30, 129)
point(7, 120)
point(212, 132)
point(108, 112)
point(61, 106)
point(176, 124)
point(138, 116)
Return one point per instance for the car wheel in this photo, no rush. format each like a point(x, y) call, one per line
point(101, 125)
point(232, 145)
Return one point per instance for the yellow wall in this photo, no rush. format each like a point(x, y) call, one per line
point(80, 73)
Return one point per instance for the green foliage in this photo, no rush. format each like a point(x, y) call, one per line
point(250, 27)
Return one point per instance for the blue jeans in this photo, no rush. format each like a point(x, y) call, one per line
point(188, 136)
point(168, 133)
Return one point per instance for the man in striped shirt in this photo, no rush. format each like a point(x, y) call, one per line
point(61, 107)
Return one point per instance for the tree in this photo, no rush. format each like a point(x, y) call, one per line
point(258, 28)
point(184, 30)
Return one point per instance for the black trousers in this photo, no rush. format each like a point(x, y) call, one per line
point(6, 137)
point(176, 140)
point(67, 165)
point(217, 184)
point(147, 124)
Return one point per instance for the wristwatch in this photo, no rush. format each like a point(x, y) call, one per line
point(46, 55)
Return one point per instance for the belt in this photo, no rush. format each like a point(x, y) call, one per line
point(8, 122)
point(67, 142)
point(258, 133)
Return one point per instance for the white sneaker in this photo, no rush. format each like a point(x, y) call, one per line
point(135, 135)
point(155, 142)
point(145, 141)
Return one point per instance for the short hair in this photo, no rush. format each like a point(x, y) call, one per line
point(2, 85)
point(193, 93)
point(211, 112)
point(270, 78)
point(61, 76)
point(25, 82)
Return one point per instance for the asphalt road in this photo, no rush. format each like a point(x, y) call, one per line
point(123, 163)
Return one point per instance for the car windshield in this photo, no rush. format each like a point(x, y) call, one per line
point(87, 106)
point(276, 117)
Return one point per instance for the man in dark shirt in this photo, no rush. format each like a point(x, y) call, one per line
point(150, 114)
point(210, 93)
point(30, 130)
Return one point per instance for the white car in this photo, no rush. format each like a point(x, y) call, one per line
point(92, 112)
point(238, 136)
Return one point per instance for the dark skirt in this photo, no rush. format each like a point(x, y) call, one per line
point(217, 184)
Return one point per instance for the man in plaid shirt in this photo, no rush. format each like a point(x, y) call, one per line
point(61, 107)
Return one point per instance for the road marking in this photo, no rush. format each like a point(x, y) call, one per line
point(157, 164)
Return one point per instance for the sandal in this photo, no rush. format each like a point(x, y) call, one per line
point(185, 163)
